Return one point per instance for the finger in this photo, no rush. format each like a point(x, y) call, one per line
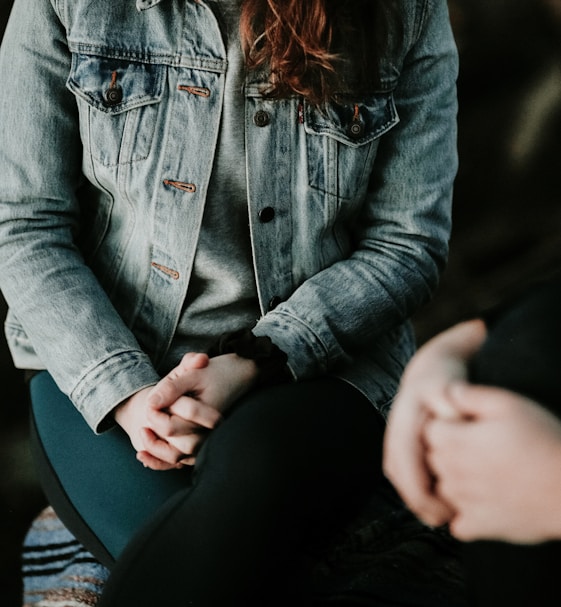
point(439, 434)
point(464, 338)
point(175, 449)
point(178, 381)
point(167, 425)
point(149, 461)
point(194, 360)
point(188, 445)
point(446, 458)
point(440, 405)
point(406, 467)
point(185, 436)
point(170, 388)
point(430, 506)
point(462, 530)
point(475, 401)
point(159, 448)
point(188, 461)
point(444, 440)
point(196, 412)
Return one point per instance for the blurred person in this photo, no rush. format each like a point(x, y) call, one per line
point(474, 442)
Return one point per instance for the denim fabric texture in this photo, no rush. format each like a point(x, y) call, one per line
point(109, 118)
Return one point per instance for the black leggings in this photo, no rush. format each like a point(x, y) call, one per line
point(286, 468)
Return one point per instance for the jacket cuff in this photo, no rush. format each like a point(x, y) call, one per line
point(101, 389)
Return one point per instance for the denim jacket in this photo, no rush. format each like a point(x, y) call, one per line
point(109, 117)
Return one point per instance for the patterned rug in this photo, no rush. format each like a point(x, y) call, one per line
point(57, 570)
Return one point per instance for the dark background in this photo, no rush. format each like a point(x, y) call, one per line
point(507, 215)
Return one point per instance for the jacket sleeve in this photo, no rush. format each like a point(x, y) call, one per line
point(401, 236)
point(69, 320)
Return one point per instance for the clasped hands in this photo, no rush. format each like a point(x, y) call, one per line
point(483, 460)
point(168, 423)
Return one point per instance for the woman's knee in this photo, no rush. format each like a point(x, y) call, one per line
point(295, 435)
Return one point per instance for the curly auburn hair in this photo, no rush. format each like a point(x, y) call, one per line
point(315, 48)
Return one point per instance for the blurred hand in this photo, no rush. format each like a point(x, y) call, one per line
point(499, 465)
point(423, 394)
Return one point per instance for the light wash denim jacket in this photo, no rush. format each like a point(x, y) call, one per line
point(109, 117)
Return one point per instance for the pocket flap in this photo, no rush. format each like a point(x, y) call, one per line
point(115, 85)
point(353, 123)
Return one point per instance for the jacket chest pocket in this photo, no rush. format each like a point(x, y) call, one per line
point(341, 142)
point(118, 103)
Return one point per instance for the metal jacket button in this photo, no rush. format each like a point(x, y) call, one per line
point(261, 118)
point(267, 214)
point(113, 95)
point(356, 129)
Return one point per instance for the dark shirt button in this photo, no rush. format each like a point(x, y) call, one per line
point(113, 95)
point(261, 118)
point(274, 302)
point(356, 129)
point(267, 214)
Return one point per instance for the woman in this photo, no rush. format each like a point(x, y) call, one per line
point(267, 182)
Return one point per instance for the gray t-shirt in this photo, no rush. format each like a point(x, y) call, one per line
point(222, 294)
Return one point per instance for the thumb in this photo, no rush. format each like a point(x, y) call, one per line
point(178, 381)
point(473, 401)
point(194, 360)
